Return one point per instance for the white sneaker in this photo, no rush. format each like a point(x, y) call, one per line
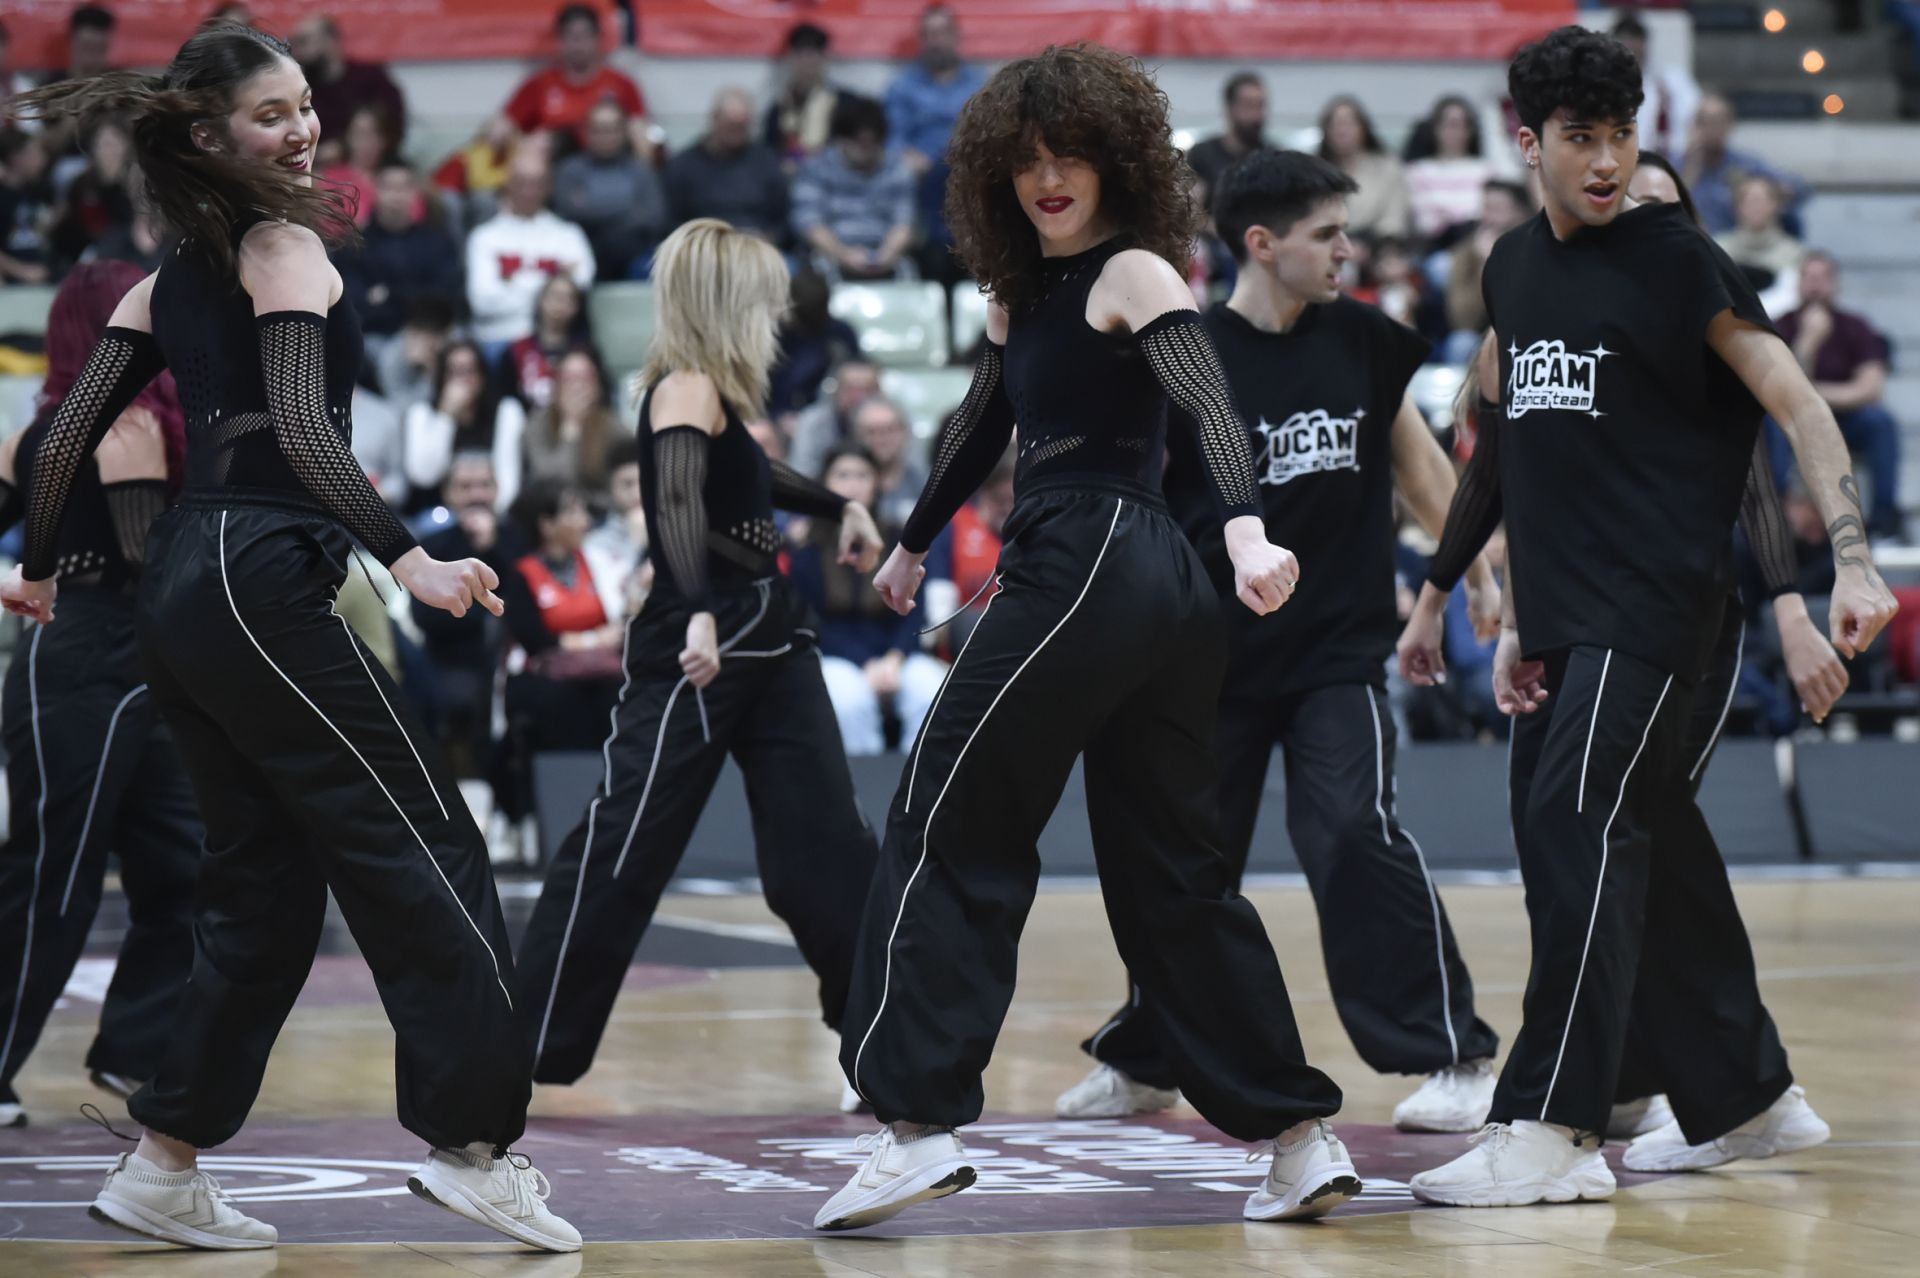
point(1455, 1099)
point(1638, 1117)
point(13, 1114)
point(1518, 1164)
point(188, 1208)
point(1310, 1176)
point(508, 1194)
point(1787, 1126)
point(896, 1175)
point(1107, 1093)
point(851, 1102)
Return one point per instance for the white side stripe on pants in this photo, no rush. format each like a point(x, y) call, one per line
point(1600, 882)
point(1581, 804)
point(1433, 897)
point(886, 982)
point(913, 771)
point(227, 585)
point(1739, 654)
point(93, 800)
point(354, 643)
point(40, 855)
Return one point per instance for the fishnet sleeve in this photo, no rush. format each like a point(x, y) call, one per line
point(680, 460)
point(795, 492)
point(969, 447)
point(293, 359)
point(121, 365)
point(1183, 359)
point(133, 505)
point(1765, 525)
point(1476, 508)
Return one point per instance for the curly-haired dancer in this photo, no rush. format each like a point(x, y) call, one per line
point(311, 773)
point(1105, 642)
point(1634, 364)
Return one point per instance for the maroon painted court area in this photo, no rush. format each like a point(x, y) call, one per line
point(675, 1178)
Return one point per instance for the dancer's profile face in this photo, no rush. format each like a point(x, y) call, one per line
point(1585, 166)
point(1308, 258)
point(1060, 195)
point(273, 121)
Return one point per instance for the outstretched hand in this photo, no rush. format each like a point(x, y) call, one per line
point(28, 598)
point(452, 586)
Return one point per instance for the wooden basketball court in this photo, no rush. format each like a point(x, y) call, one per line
point(710, 1121)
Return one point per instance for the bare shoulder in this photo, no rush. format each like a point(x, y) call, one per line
point(135, 308)
point(997, 323)
point(284, 267)
point(282, 243)
point(1135, 288)
point(688, 397)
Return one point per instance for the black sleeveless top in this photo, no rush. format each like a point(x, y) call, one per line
point(741, 539)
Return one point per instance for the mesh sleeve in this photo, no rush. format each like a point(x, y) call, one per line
point(680, 458)
point(133, 506)
point(970, 446)
point(1765, 525)
point(795, 492)
point(293, 358)
point(1476, 508)
point(120, 367)
point(1183, 359)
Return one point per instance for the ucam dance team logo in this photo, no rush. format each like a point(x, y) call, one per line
point(1307, 443)
point(1548, 375)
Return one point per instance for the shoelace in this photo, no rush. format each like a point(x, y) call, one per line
point(532, 1178)
point(1493, 1135)
point(1274, 1149)
point(865, 1144)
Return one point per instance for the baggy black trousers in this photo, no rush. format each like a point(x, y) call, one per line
point(768, 708)
point(1722, 987)
point(1619, 884)
point(1105, 642)
point(91, 770)
point(312, 774)
point(1398, 982)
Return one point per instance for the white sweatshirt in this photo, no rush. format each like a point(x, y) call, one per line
point(509, 258)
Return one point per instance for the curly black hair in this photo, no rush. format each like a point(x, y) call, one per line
point(1085, 102)
point(1591, 74)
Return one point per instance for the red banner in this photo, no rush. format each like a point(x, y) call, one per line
point(148, 33)
point(1299, 30)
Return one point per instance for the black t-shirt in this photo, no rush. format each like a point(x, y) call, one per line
point(1319, 401)
point(1210, 160)
point(1627, 441)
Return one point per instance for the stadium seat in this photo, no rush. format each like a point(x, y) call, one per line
point(622, 315)
point(23, 309)
point(969, 316)
point(901, 324)
point(926, 395)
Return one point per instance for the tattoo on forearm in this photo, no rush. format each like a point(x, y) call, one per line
point(1847, 533)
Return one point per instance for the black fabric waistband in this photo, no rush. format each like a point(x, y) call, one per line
point(1092, 484)
point(269, 498)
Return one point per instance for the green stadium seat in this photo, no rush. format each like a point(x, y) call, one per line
point(926, 395)
point(902, 324)
point(969, 316)
point(24, 307)
point(623, 317)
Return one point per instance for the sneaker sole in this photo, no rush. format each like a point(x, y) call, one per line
point(431, 1188)
point(136, 1219)
point(937, 1181)
point(1445, 1127)
point(1572, 1189)
point(1339, 1184)
point(1686, 1159)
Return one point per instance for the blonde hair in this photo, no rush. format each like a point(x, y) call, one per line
point(718, 296)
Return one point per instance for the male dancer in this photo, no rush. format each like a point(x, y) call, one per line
point(1635, 364)
point(1324, 380)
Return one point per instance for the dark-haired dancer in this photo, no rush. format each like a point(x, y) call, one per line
point(1634, 365)
point(1105, 642)
point(720, 661)
point(90, 767)
point(308, 768)
point(1325, 379)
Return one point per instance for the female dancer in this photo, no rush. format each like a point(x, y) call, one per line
point(90, 767)
point(1070, 205)
point(302, 756)
point(718, 662)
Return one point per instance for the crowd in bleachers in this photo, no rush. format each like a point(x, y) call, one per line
point(504, 300)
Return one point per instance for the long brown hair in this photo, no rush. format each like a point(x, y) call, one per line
point(1082, 101)
point(197, 192)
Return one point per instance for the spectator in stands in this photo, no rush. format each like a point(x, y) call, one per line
point(12, 84)
point(408, 366)
point(869, 655)
point(852, 205)
point(1714, 169)
point(138, 242)
point(728, 175)
point(89, 43)
point(880, 428)
point(1347, 140)
point(465, 414)
point(97, 200)
point(1848, 363)
point(774, 444)
point(570, 441)
point(465, 651)
point(1390, 280)
point(341, 87)
point(616, 549)
point(238, 15)
point(1503, 206)
point(511, 255)
point(379, 442)
point(368, 147)
point(26, 209)
point(812, 343)
point(923, 102)
point(1447, 171)
point(818, 429)
point(402, 256)
point(1672, 95)
point(561, 324)
point(1760, 246)
point(558, 99)
point(801, 112)
point(615, 196)
point(1245, 100)
point(967, 553)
